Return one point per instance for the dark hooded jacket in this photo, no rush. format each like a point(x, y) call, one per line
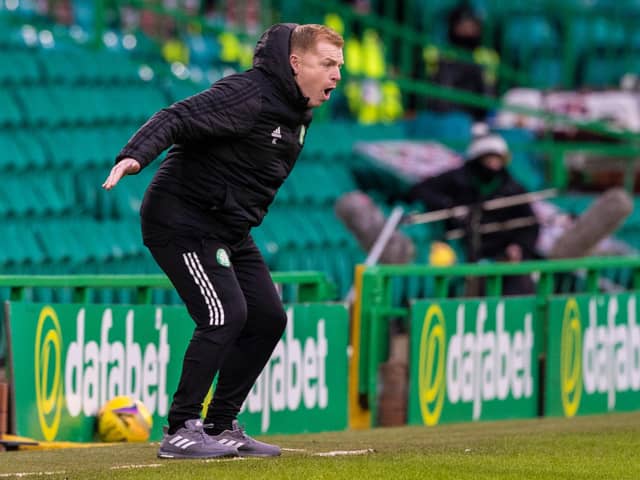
point(232, 146)
point(472, 184)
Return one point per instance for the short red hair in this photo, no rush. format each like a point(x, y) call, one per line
point(305, 37)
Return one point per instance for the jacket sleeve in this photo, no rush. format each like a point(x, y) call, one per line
point(229, 108)
point(437, 192)
point(494, 245)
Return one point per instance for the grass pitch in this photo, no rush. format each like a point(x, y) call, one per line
point(605, 446)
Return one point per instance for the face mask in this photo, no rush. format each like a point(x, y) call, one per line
point(484, 173)
point(466, 42)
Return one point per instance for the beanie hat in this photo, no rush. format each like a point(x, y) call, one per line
point(491, 144)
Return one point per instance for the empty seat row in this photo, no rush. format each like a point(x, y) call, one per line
point(73, 243)
point(36, 195)
point(67, 66)
point(50, 149)
point(38, 106)
point(316, 183)
point(334, 141)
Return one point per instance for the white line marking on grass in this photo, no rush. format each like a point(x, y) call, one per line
point(143, 465)
point(337, 453)
point(30, 474)
point(293, 449)
point(226, 459)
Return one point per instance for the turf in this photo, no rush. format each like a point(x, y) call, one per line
point(605, 446)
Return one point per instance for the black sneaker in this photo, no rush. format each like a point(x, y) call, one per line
point(247, 446)
point(190, 441)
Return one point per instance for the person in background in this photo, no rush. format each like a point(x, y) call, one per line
point(475, 74)
point(484, 176)
point(231, 148)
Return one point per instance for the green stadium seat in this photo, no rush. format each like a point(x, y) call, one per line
point(41, 106)
point(91, 142)
point(135, 104)
point(59, 65)
point(601, 72)
point(127, 237)
point(57, 242)
point(278, 230)
point(114, 138)
point(286, 194)
point(78, 147)
point(127, 198)
point(340, 146)
point(90, 105)
point(54, 193)
point(589, 34)
point(114, 67)
point(20, 241)
point(16, 198)
point(540, 35)
point(19, 68)
point(312, 184)
point(10, 113)
point(32, 153)
point(545, 71)
point(452, 128)
point(10, 152)
point(60, 147)
point(526, 168)
point(266, 246)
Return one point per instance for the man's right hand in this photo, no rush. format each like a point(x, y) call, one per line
point(126, 166)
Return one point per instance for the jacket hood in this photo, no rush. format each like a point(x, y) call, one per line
point(271, 56)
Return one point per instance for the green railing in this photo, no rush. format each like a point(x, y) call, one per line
point(311, 286)
point(377, 308)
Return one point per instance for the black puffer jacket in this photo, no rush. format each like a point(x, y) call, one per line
point(471, 185)
point(233, 146)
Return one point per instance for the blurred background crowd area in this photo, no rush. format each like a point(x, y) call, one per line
point(558, 80)
point(541, 45)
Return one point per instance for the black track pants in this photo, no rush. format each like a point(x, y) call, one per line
point(239, 319)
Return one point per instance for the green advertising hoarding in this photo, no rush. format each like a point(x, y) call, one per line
point(473, 360)
point(304, 386)
point(593, 356)
point(67, 360)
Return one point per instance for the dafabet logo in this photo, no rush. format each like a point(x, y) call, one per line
point(48, 372)
point(601, 357)
point(571, 359)
point(462, 365)
point(77, 377)
point(431, 372)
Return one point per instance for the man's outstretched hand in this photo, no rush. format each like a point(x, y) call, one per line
point(126, 166)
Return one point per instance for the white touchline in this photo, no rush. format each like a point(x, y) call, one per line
point(147, 465)
point(336, 453)
point(30, 474)
point(229, 459)
point(293, 449)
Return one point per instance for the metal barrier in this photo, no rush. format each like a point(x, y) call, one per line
point(370, 328)
point(312, 286)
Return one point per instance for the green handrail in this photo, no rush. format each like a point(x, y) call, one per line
point(312, 286)
point(472, 99)
point(377, 306)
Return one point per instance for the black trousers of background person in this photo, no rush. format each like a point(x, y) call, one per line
point(239, 319)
